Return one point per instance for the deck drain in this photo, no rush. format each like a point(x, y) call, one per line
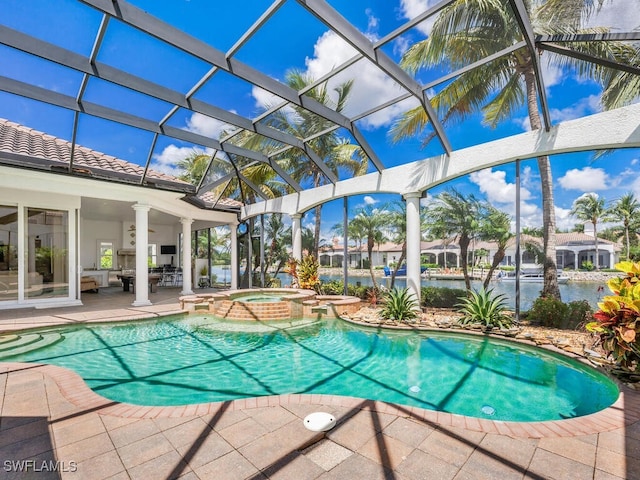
point(319, 421)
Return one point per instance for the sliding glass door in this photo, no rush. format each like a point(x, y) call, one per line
point(47, 244)
point(8, 253)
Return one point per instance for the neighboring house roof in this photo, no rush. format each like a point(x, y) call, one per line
point(575, 238)
point(22, 146)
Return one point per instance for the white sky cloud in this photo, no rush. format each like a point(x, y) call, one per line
point(371, 86)
point(166, 160)
point(586, 179)
point(369, 200)
point(502, 195)
point(206, 126)
point(621, 15)
point(412, 8)
point(494, 185)
point(564, 219)
point(586, 106)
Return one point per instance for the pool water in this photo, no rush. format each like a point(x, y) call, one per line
point(258, 298)
point(197, 358)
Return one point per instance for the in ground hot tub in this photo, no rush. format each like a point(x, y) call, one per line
point(263, 304)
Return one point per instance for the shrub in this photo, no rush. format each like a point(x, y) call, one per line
point(399, 304)
point(336, 287)
point(580, 313)
point(587, 265)
point(484, 308)
point(441, 297)
point(547, 312)
point(553, 313)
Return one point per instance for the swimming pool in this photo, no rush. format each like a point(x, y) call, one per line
point(198, 358)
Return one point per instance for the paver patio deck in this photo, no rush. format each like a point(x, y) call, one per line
point(51, 420)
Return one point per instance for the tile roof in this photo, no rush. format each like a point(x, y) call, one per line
point(26, 147)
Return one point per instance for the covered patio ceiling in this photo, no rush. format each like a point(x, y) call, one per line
point(134, 79)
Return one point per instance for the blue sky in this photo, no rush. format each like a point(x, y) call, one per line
point(292, 38)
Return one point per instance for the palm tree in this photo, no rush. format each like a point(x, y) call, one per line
point(590, 208)
point(278, 241)
point(372, 221)
point(398, 223)
point(193, 167)
point(626, 209)
point(467, 31)
point(338, 154)
point(355, 233)
point(495, 226)
point(452, 215)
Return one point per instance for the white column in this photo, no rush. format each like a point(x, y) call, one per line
point(186, 256)
point(413, 242)
point(296, 234)
point(234, 255)
point(575, 261)
point(142, 252)
point(612, 259)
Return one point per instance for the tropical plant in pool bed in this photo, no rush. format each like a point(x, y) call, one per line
point(398, 304)
point(482, 307)
point(307, 272)
point(618, 319)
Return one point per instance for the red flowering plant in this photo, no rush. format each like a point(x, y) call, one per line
point(618, 319)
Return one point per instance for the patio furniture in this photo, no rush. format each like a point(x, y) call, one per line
point(129, 282)
point(89, 284)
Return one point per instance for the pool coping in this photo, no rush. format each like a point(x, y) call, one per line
point(624, 411)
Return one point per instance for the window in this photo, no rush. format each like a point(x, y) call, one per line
point(152, 257)
point(105, 255)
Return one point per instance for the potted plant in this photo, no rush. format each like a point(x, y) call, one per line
point(203, 281)
point(617, 321)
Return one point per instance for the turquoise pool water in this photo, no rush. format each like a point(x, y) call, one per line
point(259, 298)
point(194, 359)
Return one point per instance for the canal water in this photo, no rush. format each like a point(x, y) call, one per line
point(569, 292)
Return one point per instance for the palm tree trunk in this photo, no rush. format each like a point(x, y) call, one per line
point(626, 234)
point(497, 258)
point(595, 237)
point(550, 288)
point(370, 244)
point(316, 232)
point(464, 251)
point(403, 254)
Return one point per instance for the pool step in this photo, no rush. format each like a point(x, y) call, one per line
point(8, 338)
point(21, 340)
point(28, 343)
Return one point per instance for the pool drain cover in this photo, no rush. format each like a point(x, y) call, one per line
point(319, 421)
point(414, 389)
point(488, 410)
